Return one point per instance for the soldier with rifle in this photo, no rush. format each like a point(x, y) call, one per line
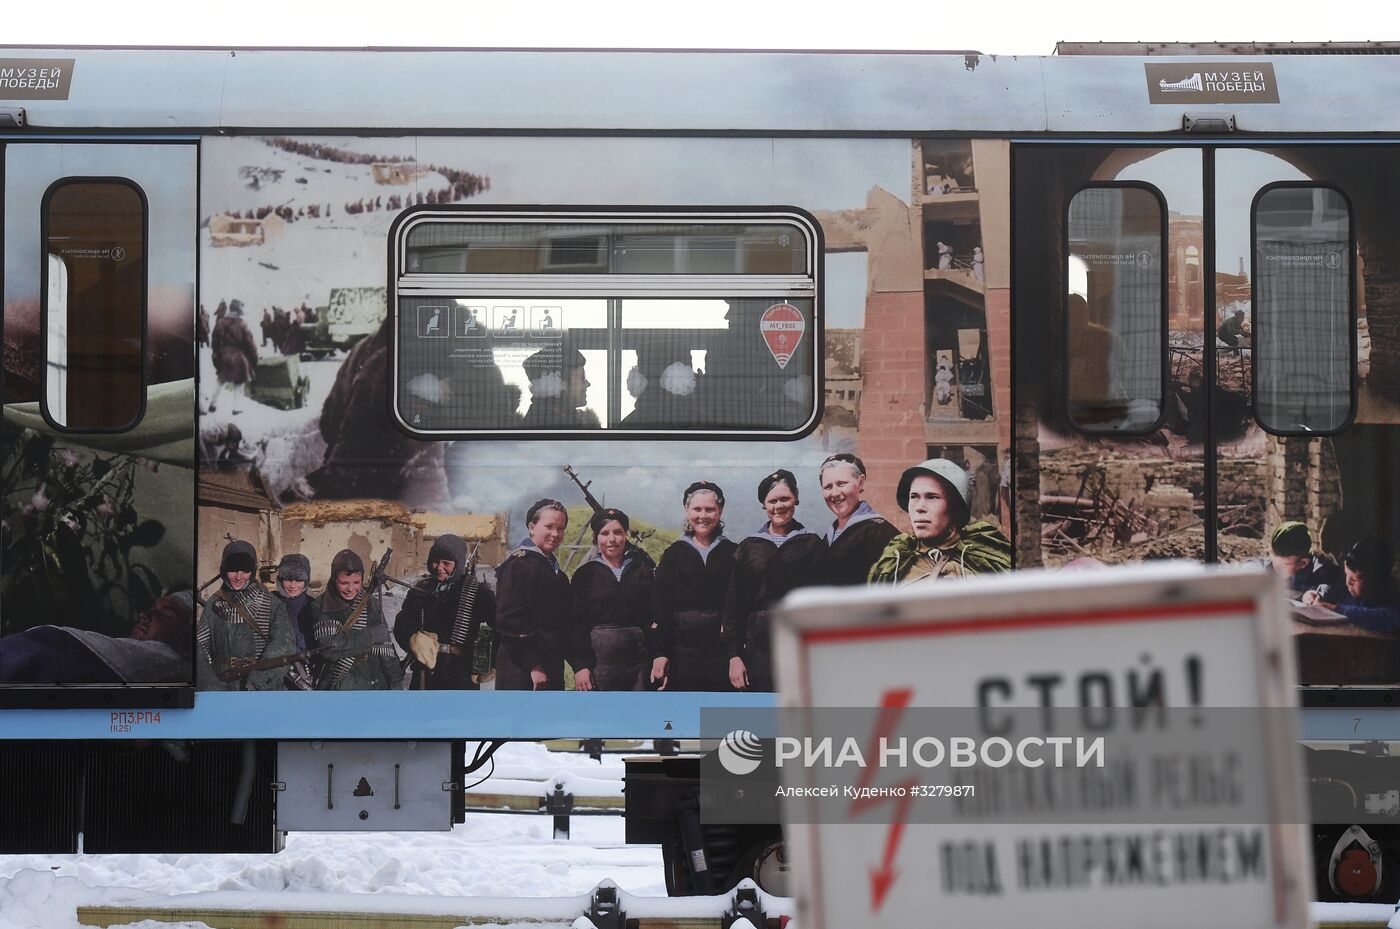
point(442, 616)
point(635, 537)
point(351, 635)
point(241, 622)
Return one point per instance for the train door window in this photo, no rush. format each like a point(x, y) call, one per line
point(94, 303)
point(1304, 321)
point(660, 325)
point(1115, 304)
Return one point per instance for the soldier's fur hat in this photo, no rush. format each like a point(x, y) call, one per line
point(294, 567)
point(347, 561)
point(450, 547)
point(238, 556)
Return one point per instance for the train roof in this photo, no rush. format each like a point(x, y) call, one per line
point(776, 92)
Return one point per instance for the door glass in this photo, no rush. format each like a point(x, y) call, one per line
point(1302, 309)
point(1112, 373)
point(95, 244)
point(1114, 296)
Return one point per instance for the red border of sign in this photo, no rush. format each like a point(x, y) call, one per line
point(990, 624)
point(1011, 622)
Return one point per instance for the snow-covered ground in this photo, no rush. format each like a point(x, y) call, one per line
point(491, 855)
point(286, 444)
point(310, 256)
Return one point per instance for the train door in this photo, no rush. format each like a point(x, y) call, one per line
point(97, 451)
point(1207, 354)
point(1109, 323)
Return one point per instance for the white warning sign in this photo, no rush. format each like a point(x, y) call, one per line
point(782, 326)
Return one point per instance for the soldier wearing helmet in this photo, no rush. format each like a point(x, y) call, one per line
point(943, 543)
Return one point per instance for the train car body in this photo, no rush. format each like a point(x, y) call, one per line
point(322, 301)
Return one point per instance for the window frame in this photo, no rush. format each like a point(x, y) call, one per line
point(780, 288)
point(44, 252)
point(1163, 314)
point(1353, 317)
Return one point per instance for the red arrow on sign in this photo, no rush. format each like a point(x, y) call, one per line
point(882, 878)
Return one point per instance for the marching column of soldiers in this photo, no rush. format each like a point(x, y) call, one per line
point(696, 621)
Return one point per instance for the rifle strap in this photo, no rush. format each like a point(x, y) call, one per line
point(341, 666)
point(357, 610)
point(362, 600)
point(247, 617)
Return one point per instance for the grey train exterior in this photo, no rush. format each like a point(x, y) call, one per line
point(327, 300)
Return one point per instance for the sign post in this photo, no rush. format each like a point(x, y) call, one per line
point(1166, 692)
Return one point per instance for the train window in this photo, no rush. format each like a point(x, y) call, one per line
point(94, 303)
point(607, 248)
point(509, 322)
point(1304, 326)
point(1115, 308)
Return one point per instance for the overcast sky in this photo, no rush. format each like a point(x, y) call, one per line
point(1017, 27)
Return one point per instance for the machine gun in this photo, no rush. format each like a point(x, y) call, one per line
point(343, 664)
point(376, 578)
point(636, 536)
point(238, 668)
point(461, 621)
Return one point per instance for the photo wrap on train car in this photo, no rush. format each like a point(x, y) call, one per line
point(783, 555)
point(692, 581)
point(325, 464)
point(241, 625)
point(356, 650)
point(96, 530)
point(858, 534)
point(440, 623)
point(612, 605)
point(1280, 412)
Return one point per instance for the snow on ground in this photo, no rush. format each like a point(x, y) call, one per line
point(286, 444)
point(311, 255)
point(491, 855)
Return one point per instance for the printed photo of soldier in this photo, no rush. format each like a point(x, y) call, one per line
point(692, 582)
point(157, 650)
point(858, 535)
point(536, 632)
point(441, 618)
point(293, 574)
point(780, 557)
point(936, 494)
point(356, 650)
point(241, 624)
point(1292, 557)
point(1368, 595)
point(612, 594)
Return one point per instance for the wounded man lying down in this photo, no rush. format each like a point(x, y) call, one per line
point(156, 652)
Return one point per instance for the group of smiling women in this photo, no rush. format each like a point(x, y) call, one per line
point(699, 620)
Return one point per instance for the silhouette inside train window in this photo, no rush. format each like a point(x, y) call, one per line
point(1115, 308)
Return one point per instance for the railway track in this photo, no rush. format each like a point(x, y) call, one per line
point(606, 907)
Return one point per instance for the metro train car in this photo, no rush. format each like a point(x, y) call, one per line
point(360, 405)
